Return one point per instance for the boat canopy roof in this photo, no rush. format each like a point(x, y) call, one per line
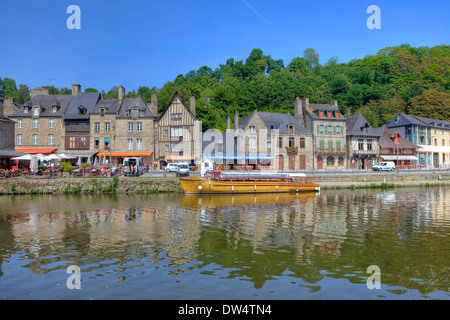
point(227, 174)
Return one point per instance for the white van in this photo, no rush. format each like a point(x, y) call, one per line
point(183, 169)
point(136, 162)
point(384, 166)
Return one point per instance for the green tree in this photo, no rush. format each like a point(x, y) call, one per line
point(23, 94)
point(431, 104)
point(312, 58)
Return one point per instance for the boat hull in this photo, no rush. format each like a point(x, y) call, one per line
point(200, 185)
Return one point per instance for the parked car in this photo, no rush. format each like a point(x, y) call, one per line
point(384, 166)
point(183, 169)
point(172, 167)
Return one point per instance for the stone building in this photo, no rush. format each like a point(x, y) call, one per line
point(394, 147)
point(433, 136)
point(76, 132)
point(178, 133)
point(7, 136)
point(328, 126)
point(39, 123)
point(123, 128)
point(277, 140)
point(362, 142)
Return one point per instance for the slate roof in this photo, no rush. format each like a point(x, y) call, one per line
point(46, 102)
point(86, 99)
point(385, 140)
point(405, 120)
point(130, 103)
point(111, 106)
point(356, 123)
point(278, 121)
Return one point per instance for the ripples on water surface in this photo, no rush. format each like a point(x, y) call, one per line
point(227, 247)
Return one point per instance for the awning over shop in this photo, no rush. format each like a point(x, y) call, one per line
point(125, 154)
point(11, 153)
point(399, 157)
point(36, 151)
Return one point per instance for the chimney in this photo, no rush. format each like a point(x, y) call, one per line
point(76, 89)
point(298, 110)
point(39, 91)
point(155, 104)
point(192, 105)
point(228, 123)
point(121, 92)
point(334, 104)
point(236, 121)
point(305, 103)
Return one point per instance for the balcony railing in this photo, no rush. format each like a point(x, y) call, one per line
point(331, 151)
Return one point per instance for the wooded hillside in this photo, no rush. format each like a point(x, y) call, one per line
point(400, 79)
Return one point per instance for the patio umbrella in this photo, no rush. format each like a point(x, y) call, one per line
point(64, 156)
point(29, 157)
point(104, 160)
point(51, 157)
point(95, 163)
point(79, 162)
point(24, 157)
point(89, 161)
point(34, 164)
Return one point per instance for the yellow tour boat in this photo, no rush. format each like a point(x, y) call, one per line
point(248, 182)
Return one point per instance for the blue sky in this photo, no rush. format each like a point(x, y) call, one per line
point(149, 42)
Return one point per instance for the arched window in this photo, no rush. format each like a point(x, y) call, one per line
point(341, 161)
point(330, 161)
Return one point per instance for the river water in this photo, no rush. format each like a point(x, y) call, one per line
point(171, 246)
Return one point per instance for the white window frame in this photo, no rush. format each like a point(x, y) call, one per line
point(252, 142)
point(176, 131)
point(34, 139)
point(139, 144)
point(19, 140)
point(35, 123)
point(51, 123)
point(129, 144)
point(51, 139)
point(19, 123)
point(130, 126)
point(139, 126)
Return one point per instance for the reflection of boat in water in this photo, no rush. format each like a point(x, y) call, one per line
point(243, 182)
point(212, 201)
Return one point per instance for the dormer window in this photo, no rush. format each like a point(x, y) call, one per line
point(143, 112)
point(26, 109)
point(102, 111)
point(54, 109)
point(291, 129)
point(134, 112)
point(36, 111)
point(81, 111)
point(127, 113)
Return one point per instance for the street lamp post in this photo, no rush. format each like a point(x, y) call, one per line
point(110, 149)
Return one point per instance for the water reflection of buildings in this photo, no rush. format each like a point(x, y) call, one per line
point(284, 231)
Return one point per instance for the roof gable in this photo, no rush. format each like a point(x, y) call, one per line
point(175, 97)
